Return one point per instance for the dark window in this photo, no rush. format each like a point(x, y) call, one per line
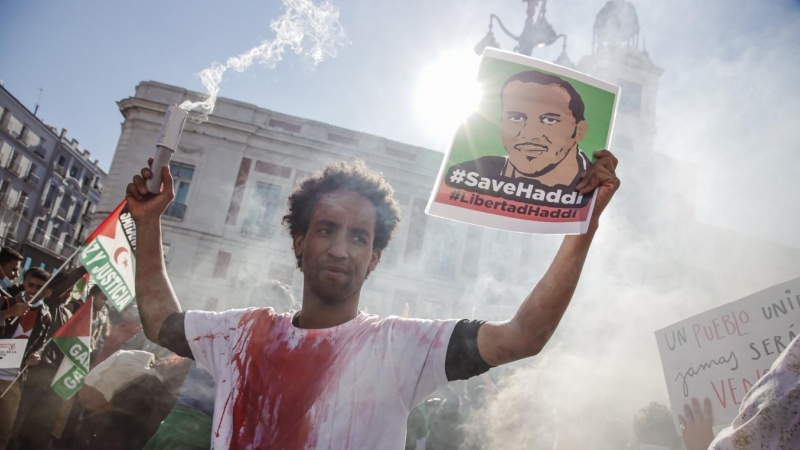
point(440, 251)
point(291, 127)
point(416, 229)
point(472, 252)
point(338, 138)
point(630, 102)
point(402, 154)
point(260, 220)
point(76, 213)
point(182, 179)
point(273, 169)
point(221, 268)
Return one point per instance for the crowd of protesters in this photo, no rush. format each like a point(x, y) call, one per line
point(141, 396)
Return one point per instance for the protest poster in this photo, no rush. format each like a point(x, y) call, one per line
point(515, 162)
point(722, 352)
point(11, 352)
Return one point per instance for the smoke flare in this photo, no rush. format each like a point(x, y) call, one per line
point(312, 31)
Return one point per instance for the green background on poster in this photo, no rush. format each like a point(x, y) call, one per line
point(479, 135)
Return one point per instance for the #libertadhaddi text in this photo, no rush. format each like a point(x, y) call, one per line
point(515, 162)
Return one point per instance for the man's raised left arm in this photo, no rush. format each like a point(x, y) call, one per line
point(536, 319)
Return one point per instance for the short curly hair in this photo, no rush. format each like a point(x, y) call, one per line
point(340, 175)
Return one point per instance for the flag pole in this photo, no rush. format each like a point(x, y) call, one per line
point(47, 283)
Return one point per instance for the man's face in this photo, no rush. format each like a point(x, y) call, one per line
point(10, 270)
point(337, 249)
point(537, 128)
point(32, 286)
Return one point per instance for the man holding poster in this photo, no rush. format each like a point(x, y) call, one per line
point(517, 163)
point(331, 376)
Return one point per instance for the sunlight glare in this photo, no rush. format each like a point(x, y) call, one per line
point(447, 93)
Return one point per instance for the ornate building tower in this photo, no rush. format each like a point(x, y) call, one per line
point(617, 58)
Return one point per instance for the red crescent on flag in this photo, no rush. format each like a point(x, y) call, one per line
point(119, 251)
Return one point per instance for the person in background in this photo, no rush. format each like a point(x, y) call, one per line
point(101, 326)
point(125, 397)
point(769, 415)
point(654, 428)
point(10, 260)
point(39, 405)
point(188, 425)
point(125, 334)
point(20, 320)
point(69, 416)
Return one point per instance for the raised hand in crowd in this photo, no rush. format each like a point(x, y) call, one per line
point(696, 425)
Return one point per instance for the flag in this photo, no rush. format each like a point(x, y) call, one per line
point(108, 256)
point(73, 338)
point(81, 288)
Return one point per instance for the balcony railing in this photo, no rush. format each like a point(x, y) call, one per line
point(40, 151)
point(257, 230)
point(61, 170)
point(85, 189)
point(32, 179)
point(61, 213)
point(67, 250)
point(51, 243)
point(175, 210)
point(15, 167)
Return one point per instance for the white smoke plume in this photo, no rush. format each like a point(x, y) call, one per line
point(310, 30)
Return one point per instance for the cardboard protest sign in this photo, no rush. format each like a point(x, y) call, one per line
point(722, 352)
point(514, 164)
point(12, 352)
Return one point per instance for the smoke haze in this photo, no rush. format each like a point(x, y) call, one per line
point(310, 30)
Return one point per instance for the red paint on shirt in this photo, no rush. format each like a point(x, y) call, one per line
point(277, 385)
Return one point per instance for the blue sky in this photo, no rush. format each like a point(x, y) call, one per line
point(741, 55)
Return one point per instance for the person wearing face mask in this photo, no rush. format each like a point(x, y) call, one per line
point(10, 261)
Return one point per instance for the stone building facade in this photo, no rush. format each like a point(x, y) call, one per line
point(222, 234)
point(48, 189)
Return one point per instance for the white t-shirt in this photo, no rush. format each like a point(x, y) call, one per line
point(286, 388)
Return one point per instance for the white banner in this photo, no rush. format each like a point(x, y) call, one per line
point(722, 352)
point(11, 353)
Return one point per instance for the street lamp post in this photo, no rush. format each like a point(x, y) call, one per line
point(536, 33)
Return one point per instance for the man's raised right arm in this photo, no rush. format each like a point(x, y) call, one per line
point(154, 294)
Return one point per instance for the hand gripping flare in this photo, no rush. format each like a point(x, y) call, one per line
point(166, 144)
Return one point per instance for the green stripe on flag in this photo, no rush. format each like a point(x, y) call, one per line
point(74, 349)
point(70, 382)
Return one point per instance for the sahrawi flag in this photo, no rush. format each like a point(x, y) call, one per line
point(108, 257)
point(74, 341)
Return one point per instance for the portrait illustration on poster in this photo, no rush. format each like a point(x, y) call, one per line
point(515, 163)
